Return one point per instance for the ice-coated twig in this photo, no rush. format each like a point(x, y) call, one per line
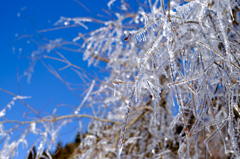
point(86, 97)
point(121, 142)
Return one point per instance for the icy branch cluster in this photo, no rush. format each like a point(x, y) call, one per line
point(173, 87)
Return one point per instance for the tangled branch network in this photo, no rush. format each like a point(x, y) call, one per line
point(173, 87)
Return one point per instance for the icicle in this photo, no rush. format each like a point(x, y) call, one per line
point(152, 10)
point(179, 93)
point(222, 29)
point(2, 113)
point(120, 151)
point(175, 120)
point(181, 149)
point(231, 131)
point(138, 85)
point(155, 111)
point(32, 127)
point(230, 9)
point(119, 83)
point(85, 98)
point(110, 3)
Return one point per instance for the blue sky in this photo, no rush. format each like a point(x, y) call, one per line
point(25, 17)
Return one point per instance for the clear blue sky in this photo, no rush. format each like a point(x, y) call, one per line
point(44, 87)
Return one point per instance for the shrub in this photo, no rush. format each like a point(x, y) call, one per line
point(173, 88)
